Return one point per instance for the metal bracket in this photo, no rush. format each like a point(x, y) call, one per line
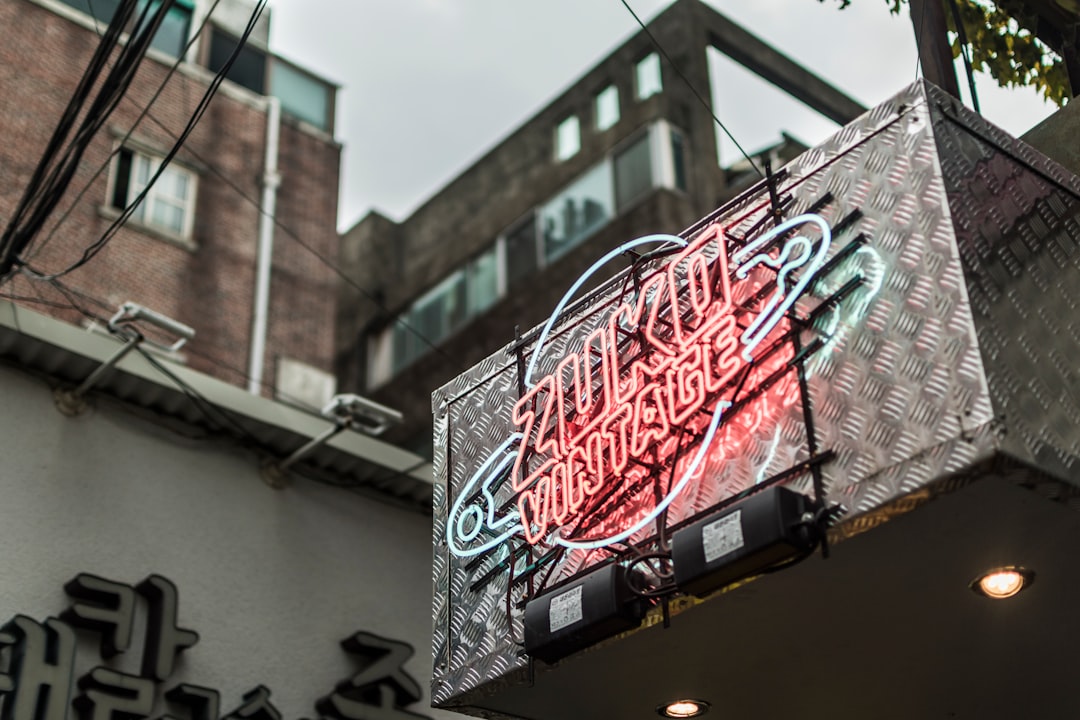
point(123, 325)
point(349, 412)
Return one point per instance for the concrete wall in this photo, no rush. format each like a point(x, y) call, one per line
point(207, 283)
point(271, 580)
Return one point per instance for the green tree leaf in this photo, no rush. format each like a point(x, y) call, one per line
point(1002, 46)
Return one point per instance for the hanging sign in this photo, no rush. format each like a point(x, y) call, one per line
point(648, 389)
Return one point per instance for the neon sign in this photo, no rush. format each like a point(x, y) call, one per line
point(639, 388)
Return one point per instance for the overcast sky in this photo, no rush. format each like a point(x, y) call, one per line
point(428, 86)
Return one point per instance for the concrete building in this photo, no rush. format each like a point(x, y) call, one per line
point(150, 571)
point(625, 151)
point(190, 251)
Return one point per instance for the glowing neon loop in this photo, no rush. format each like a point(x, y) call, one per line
point(687, 358)
point(677, 488)
point(660, 237)
point(476, 513)
point(775, 310)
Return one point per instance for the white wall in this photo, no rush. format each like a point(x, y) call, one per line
point(272, 580)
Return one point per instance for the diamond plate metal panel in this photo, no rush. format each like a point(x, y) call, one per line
point(1017, 222)
point(898, 391)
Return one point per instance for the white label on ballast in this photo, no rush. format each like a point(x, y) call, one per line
point(565, 609)
point(723, 536)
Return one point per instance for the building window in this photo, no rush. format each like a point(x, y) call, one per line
point(567, 138)
point(647, 77)
point(522, 257)
point(607, 107)
point(249, 68)
point(169, 204)
point(171, 36)
point(678, 159)
point(633, 172)
point(302, 95)
point(435, 316)
point(482, 282)
point(577, 212)
point(101, 10)
point(654, 158)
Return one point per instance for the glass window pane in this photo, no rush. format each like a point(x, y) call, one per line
point(607, 107)
point(171, 185)
point(633, 172)
point(122, 181)
point(403, 352)
point(168, 216)
point(168, 202)
point(483, 285)
point(179, 183)
point(426, 318)
point(301, 95)
point(568, 138)
point(647, 76)
point(678, 159)
point(248, 70)
point(139, 213)
point(577, 212)
point(521, 251)
point(142, 171)
point(100, 10)
point(172, 34)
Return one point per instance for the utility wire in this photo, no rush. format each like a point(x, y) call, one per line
point(93, 249)
point(314, 252)
point(200, 110)
point(61, 157)
point(40, 246)
point(965, 53)
point(698, 95)
point(918, 36)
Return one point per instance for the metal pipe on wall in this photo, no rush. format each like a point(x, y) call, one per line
point(265, 251)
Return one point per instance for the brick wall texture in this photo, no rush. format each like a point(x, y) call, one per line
point(209, 284)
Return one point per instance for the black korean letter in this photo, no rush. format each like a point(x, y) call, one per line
point(164, 640)
point(380, 690)
point(111, 610)
point(257, 706)
point(110, 695)
point(39, 677)
point(202, 702)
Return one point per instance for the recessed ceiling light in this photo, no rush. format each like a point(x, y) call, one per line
point(1003, 582)
point(683, 708)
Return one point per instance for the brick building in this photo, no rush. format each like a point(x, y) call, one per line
point(627, 150)
point(190, 250)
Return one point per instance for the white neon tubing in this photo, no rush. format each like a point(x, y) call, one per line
point(775, 310)
point(668, 499)
point(581, 281)
point(455, 520)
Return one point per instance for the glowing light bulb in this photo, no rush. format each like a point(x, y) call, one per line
point(1001, 583)
point(683, 708)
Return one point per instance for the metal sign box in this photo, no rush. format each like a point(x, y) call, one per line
point(933, 347)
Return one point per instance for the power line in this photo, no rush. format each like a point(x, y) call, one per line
point(965, 53)
point(371, 297)
point(127, 136)
point(698, 95)
point(60, 160)
point(200, 110)
point(179, 140)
